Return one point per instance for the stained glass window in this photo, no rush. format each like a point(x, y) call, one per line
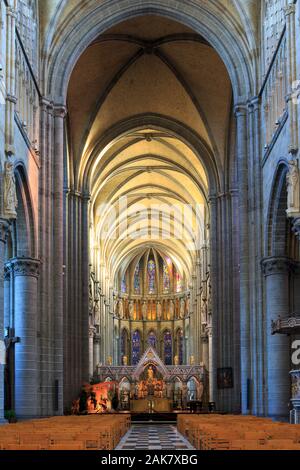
point(137, 279)
point(178, 283)
point(151, 276)
point(124, 343)
point(152, 339)
point(180, 346)
point(168, 348)
point(123, 284)
point(166, 278)
point(136, 347)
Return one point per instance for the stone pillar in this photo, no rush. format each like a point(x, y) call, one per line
point(57, 265)
point(290, 14)
point(276, 271)
point(256, 400)
point(242, 163)
point(91, 351)
point(85, 286)
point(211, 374)
point(96, 354)
point(25, 271)
point(213, 343)
point(4, 226)
point(10, 78)
point(205, 351)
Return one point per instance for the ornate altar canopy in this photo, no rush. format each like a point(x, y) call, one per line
point(152, 378)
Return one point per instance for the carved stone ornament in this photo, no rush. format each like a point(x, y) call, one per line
point(25, 267)
point(10, 194)
point(293, 189)
point(276, 265)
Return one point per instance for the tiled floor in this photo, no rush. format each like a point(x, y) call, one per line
point(150, 437)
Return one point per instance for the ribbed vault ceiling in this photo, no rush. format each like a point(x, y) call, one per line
point(147, 66)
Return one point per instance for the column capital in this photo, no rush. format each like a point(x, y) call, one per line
point(289, 9)
point(59, 110)
point(7, 271)
point(212, 198)
point(4, 229)
point(46, 103)
point(92, 331)
point(296, 227)
point(11, 11)
point(240, 109)
point(25, 266)
point(97, 338)
point(277, 265)
point(204, 338)
point(254, 104)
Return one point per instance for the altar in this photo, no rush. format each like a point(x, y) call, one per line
point(152, 386)
point(151, 405)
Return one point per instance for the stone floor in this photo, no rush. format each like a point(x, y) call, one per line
point(151, 437)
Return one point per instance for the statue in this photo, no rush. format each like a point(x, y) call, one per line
point(172, 308)
point(158, 310)
point(144, 310)
point(125, 361)
point(192, 360)
point(292, 179)
point(10, 194)
point(187, 306)
point(150, 374)
point(176, 360)
point(182, 307)
point(109, 361)
point(131, 309)
point(120, 309)
point(97, 314)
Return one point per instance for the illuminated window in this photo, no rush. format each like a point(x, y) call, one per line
point(151, 276)
point(124, 343)
point(180, 346)
point(166, 278)
point(168, 348)
point(123, 284)
point(136, 281)
point(152, 340)
point(136, 347)
point(178, 283)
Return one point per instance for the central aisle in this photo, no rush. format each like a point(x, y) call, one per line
point(154, 437)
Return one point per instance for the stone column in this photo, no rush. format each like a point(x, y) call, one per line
point(276, 271)
point(91, 350)
point(242, 163)
point(96, 354)
point(290, 14)
point(213, 343)
point(10, 78)
point(57, 265)
point(25, 271)
point(256, 399)
point(85, 285)
point(211, 374)
point(205, 350)
point(4, 226)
